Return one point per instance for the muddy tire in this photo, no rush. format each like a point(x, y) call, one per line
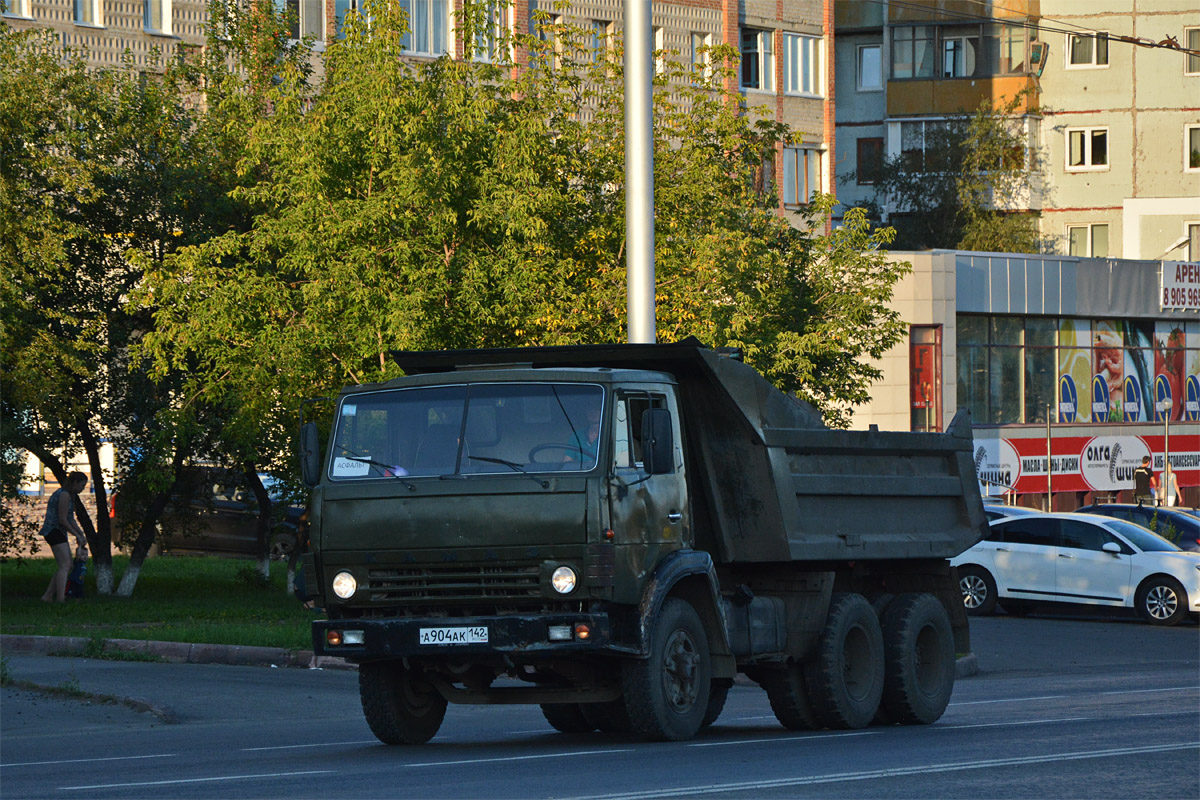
point(845, 679)
point(400, 707)
point(788, 694)
point(667, 694)
point(717, 696)
point(919, 663)
point(609, 717)
point(567, 718)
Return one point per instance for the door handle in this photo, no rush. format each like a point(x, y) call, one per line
point(1001, 549)
point(1065, 555)
point(674, 516)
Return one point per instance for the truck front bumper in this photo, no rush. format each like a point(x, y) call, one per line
point(469, 638)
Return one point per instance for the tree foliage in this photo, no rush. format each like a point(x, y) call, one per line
point(453, 203)
point(966, 187)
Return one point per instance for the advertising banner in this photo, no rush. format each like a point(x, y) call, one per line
point(1181, 285)
point(1083, 463)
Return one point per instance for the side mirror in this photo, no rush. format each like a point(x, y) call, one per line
point(658, 442)
point(310, 454)
point(1111, 547)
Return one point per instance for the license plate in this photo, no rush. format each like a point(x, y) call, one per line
point(476, 635)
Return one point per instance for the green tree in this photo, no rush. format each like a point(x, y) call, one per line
point(965, 188)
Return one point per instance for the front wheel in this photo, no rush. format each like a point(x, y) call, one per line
point(567, 718)
point(1161, 601)
point(978, 589)
point(667, 695)
point(400, 706)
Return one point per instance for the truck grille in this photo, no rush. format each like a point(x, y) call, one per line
point(458, 584)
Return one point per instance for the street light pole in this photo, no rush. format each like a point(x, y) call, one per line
point(639, 173)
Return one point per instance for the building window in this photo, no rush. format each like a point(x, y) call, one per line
point(870, 160)
point(701, 60)
point(1087, 148)
point(1193, 234)
point(1087, 50)
point(870, 68)
point(925, 377)
point(87, 12)
point(307, 17)
point(601, 38)
point(1191, 148)
point(489, 39)
point(801, 175)
point(1191, 64)
point(1087, 241)
point(758, 59)
point(912, 51)
point(802, 64)
point(960, 51)
point(17, 8)
point(428, 23)
point(156, 16)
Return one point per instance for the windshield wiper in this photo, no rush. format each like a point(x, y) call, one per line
point(512, 464)
point(381, 466)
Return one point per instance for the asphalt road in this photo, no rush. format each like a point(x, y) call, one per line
point(1063, 707)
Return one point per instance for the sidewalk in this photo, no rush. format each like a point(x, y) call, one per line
point(171, 652)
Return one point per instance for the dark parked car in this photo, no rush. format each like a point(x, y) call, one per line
point(1173, 524)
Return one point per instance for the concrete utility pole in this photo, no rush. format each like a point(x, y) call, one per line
point(639, 173)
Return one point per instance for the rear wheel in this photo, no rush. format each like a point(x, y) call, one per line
point(978, 589)
point(1161, 601)
point(567, 718)
point(919, 664)
point(788, 694)
point(845, 680)
point(400, 706)
point(667, 694)
point(608, 717)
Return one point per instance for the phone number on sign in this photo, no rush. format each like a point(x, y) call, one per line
point(1181, 297)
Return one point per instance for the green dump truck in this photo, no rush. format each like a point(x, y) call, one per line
point(614, 532)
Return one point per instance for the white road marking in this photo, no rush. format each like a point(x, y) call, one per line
point(1167, 689)
point(813, 736)
point(318, 744)
point(898, 772)
point(86, 760)
point(197, 780)
point(515, 758)
point(1005, 724)
point(1011, 700)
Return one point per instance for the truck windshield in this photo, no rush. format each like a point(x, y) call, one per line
point(471, 428)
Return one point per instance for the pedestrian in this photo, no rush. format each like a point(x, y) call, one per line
point(60, 521)
point(1145, 485)
point(1170, 487)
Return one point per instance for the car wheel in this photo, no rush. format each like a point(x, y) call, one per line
point(978, 589)
point(1161, 600)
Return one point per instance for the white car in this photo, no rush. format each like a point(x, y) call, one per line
point(1079, 558)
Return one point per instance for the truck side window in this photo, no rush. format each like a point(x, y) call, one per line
point(622, 457)
point(633, 406)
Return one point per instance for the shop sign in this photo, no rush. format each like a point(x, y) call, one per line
point(1068, 399)
point(997, 466)
point(1133, 398)
point(1107, 462)
point(1162, 398)
point(1191, 403)
point(1099, 398)
point(1181, 285)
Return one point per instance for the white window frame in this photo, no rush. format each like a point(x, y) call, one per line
point(859, 84)
point(803, 64)
point(1189, 132)
point(701, 61)
point(1090, 239)
point(163, 23)
point(658, 40)
point(1094, 63)
point(1191, 40)
point(304, 24)
point(797, 177)
point(764, 55)
point(1192, 228)
point(19, 8)
point(432, 11)
point(602, 38)
point(96, 8)
point(1087, 165)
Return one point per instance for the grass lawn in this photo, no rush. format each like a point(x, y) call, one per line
point(197, 599)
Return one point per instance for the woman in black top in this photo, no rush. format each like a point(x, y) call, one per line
point(60, 520)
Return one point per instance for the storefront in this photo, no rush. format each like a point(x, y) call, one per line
point(1073, 369)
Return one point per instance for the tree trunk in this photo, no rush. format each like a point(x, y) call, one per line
point(145, 537)
point(101, 538)
point(263, 523)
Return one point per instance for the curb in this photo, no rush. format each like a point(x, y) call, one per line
point(172, 652)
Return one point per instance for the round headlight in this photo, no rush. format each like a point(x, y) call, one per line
point(344, 585)
point(563, 580)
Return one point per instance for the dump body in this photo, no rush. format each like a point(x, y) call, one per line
point(770, 482)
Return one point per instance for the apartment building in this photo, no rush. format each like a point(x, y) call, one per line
point(1113, 108)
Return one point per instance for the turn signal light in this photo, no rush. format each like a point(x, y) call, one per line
point(582, 631)
point(333, 638)
point(608, 534)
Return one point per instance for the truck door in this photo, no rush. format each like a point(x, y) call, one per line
point(649, 513)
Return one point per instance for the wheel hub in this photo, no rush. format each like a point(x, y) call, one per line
point(680, 662)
